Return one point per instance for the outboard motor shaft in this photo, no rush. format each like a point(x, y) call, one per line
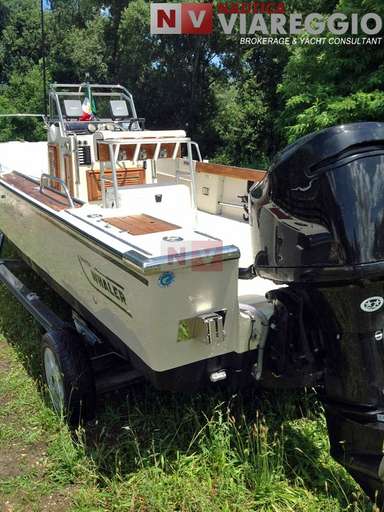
point(318, 225)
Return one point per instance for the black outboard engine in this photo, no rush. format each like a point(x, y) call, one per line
point(318, 225)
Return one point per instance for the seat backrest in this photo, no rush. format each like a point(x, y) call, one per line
point(125, 178)
point(119, 109)
point(73, 109)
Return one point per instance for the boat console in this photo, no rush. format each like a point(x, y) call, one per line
point(96, 142)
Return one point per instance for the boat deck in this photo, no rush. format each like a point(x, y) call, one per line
point(143, 232)
point(49, 197)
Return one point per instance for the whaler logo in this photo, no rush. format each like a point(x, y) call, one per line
point(109, 288)
point(372, 304)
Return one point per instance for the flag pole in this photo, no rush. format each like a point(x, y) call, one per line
point(43, 55)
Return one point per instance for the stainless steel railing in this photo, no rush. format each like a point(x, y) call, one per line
point(46, 177)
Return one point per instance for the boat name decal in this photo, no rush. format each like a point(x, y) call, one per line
point(105, 285)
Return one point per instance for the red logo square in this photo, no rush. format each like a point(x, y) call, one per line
point(196, 18)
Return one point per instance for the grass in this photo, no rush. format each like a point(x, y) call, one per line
point(151, 451)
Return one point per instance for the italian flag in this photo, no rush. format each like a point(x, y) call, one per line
point(88, 106)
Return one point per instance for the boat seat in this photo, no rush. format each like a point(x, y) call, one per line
point(72, 112)
point(72, 109)
point(126, 178)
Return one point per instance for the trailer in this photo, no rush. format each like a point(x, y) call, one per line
point(77, 365)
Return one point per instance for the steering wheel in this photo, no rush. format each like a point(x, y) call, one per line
point(117, 127)
point(139, 120)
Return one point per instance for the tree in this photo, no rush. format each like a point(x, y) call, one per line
point(240, 103)
point(170, 77)
point(241, 124)
point(330, 84)
point(23, 94)
point(20, 42)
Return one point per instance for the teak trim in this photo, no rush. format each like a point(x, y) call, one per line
point(55, 200)
point(125, 177)
point(227, 171)
point(141, 224)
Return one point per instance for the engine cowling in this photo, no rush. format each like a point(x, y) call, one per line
point(319, 213)
point(317, 222)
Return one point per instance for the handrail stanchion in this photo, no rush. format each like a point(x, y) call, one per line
point(198, 150)
point(102, 180)
point(114, 176)
point(137, 152)
point(193, 178)
point(176, 150)
point(157, 151)
point(45, 177)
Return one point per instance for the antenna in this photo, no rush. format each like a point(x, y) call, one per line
point(43, 56)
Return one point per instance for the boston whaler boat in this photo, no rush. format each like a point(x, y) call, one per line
point(152, 250)
point(127, 226)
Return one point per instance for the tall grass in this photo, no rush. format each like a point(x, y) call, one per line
point(152, 451)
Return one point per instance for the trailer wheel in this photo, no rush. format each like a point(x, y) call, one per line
point(68, 375)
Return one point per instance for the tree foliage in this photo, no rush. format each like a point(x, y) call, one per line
point(241, 103)
point(331, 84)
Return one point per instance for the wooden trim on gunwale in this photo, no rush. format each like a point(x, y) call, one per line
point(31, 187)
point(227, 171)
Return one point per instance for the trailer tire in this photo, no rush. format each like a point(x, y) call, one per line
point(68, 374)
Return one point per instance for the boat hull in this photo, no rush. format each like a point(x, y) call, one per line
point(133, 311)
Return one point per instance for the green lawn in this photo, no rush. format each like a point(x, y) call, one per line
point(151, 451)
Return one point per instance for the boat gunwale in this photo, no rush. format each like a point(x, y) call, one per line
point(132, 259)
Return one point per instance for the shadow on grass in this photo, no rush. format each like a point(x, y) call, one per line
point(139, 427)
point(16, 325)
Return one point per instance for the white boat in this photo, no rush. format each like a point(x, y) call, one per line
point(151, 248)
point(140, 236)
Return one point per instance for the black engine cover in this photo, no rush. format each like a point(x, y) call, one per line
point(319, 213)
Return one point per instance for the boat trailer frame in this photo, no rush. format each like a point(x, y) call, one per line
point(121, 375)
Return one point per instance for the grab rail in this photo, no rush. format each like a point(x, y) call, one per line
point(46, 177)
point(113, 154)
point(231, 205)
